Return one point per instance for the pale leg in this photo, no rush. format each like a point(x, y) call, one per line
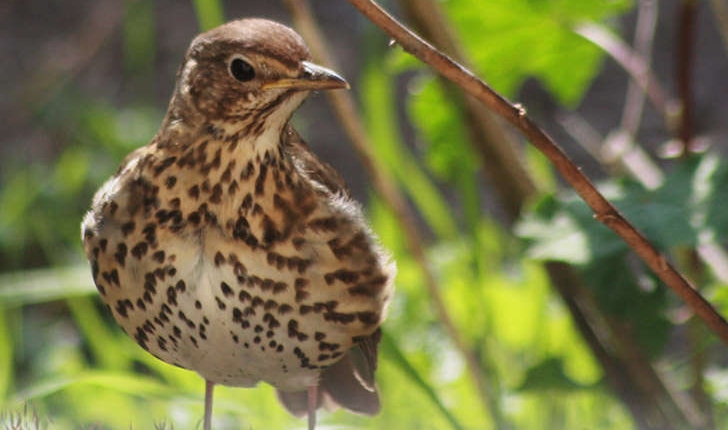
point(312, 403)
point(208, 405)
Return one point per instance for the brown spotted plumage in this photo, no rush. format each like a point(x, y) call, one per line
point(226, 247)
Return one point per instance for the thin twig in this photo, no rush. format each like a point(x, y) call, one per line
point(636, 66)
point(349, 117)
point(619, 147)
point(647, 11)
point(604, 211)
point(684, 64)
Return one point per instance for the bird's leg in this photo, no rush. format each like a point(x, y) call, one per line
point(312, 403)
point(209, 385)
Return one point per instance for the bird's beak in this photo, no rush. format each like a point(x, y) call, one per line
point(313, 77)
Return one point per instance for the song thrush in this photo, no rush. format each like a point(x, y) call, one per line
point(225, 246)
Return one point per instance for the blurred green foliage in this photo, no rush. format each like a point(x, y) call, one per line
point(61, 353)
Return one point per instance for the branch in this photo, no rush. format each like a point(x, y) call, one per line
point(516, 115)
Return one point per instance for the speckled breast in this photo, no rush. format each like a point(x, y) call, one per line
point(244, 271)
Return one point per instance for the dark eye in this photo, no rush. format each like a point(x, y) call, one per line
point(241, 70)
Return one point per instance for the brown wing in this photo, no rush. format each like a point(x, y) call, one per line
point(316, 169)
point(349, 382)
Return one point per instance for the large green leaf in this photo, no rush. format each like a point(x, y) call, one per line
point(683, 211)
point(510, 40)
point(686, 210)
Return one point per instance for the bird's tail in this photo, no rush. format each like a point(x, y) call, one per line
point(348, 383)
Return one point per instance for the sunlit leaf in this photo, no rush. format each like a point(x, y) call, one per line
point(540, 33)
point(548, 376)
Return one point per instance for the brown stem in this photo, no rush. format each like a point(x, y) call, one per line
point(349, 117)
point(516, 115)
point(598, 335)
point(684, 65)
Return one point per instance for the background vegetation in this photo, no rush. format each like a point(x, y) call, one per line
point(543, 318)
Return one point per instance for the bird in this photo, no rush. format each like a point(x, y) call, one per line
point(227, 247)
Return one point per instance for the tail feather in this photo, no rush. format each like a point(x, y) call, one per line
point(348, 383)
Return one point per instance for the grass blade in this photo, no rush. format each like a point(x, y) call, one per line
point(398, 357)
point(45, 285)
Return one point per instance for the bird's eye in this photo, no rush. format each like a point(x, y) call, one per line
point(241, 70)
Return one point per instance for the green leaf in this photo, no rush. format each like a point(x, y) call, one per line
point(563, 228)
point(675, 215)
point(548, 376)
point(448, 151)
point(510, 40)
point(556, 238)
point(636, 302)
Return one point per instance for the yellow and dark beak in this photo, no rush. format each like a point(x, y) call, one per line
point(312, 77)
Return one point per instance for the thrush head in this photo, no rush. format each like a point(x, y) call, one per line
point(247, 69)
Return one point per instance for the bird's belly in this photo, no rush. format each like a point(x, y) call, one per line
point(234, 315)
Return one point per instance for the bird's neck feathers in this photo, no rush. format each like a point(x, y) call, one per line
point(248, 134)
